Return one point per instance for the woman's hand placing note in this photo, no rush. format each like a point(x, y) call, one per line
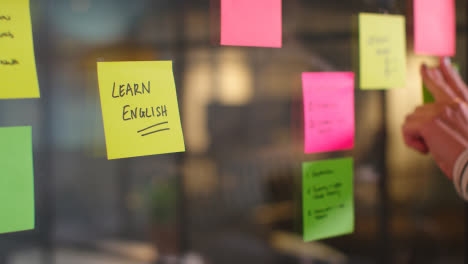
point(440, 128)
point(430, 128)
point(444, 82)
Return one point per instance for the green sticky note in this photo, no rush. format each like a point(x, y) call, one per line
point(428, 98)
point(382, 51)
point(16, 180)
point(327, 198)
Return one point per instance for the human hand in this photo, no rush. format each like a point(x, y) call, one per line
point(434, 128)
point(455, 116)
point(417, 122)
point(444, 82)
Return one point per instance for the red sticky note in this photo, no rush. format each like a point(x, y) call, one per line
point(434, 27)
point(328, 111)
point(255, 23)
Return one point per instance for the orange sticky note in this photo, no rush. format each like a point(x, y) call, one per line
point(256, 23)
point(434, 27)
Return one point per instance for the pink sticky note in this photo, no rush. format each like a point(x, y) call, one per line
point(256, 23)
point(328, 111)
point(434, 27)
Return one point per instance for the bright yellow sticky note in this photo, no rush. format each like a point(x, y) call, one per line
point(139, 108)
point(17, 64)
point(382, 51)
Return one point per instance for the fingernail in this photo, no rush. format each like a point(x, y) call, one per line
point(447, 61)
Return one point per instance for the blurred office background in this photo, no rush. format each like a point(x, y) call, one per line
point(234, 196)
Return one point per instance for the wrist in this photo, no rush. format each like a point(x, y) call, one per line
point(445, 144)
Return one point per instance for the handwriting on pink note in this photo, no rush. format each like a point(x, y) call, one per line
point(256, 23)
point(434, 27)
point(328, 111)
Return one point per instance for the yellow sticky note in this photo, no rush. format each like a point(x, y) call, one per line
point(139, 108)
point(17, 62)
point(382, 51)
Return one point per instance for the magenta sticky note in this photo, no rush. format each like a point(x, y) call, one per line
point(328, 111)
point(256, 23)
point(434, 27)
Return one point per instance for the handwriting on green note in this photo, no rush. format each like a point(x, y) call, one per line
point(327, 194)
point(16, 180)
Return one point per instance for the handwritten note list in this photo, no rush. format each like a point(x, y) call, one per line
point(328, 111)
point(382, 51)
point(139, 108)
point(327, 194)
point(16, 179)
point(17, 62)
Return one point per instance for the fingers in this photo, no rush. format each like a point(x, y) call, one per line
point(416, 125)
point(412, 135)
point(447, 116)
point(416, 143)
point(455, 116)
point(438, 77)
point(453, 79)
point(436, 84)
point(428, 112)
